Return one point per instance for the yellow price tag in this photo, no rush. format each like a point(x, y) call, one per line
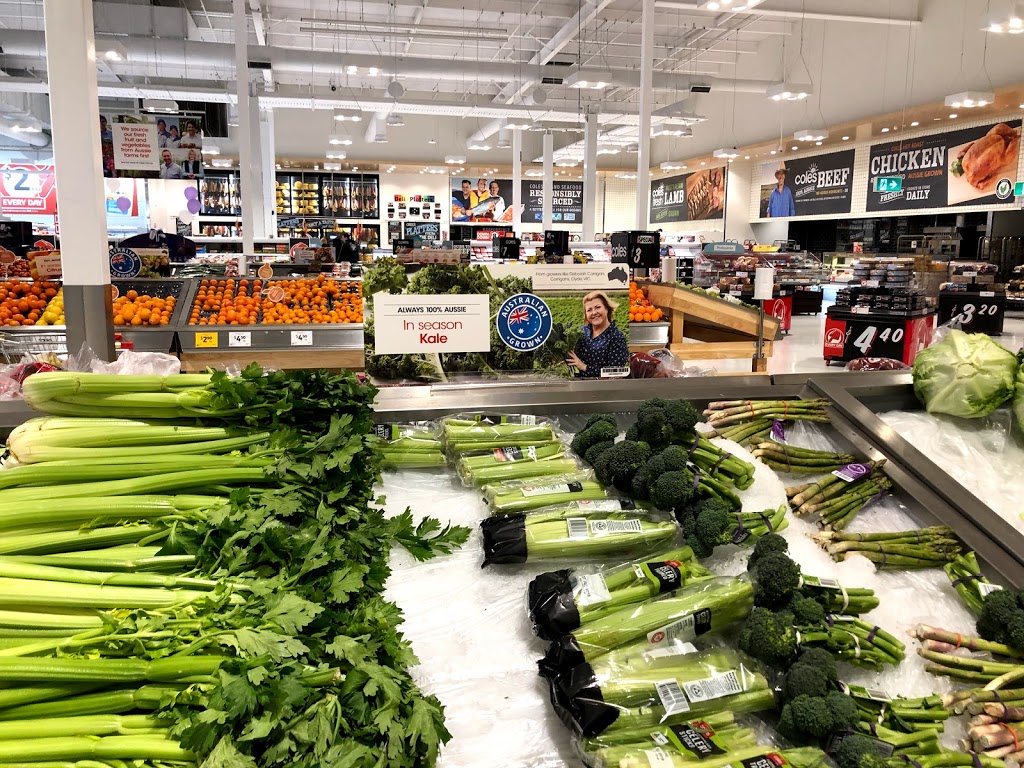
point(206, 339)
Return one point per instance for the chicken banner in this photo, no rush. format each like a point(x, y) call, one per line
point(975, 166)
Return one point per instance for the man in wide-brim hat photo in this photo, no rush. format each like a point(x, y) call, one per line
point(780, 201)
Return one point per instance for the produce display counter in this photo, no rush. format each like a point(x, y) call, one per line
point(281, 347)
point(727, 330)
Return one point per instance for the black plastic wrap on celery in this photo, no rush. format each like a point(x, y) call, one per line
point(562, 655)
point(577, 700)
point(504, 540)
point(552, 605)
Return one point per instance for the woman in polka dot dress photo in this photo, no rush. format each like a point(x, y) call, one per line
point(602, 345)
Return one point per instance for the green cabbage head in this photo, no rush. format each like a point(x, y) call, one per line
point(965, 375)
point(1018, 398)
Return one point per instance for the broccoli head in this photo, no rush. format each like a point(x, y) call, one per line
point(620, 463)
point(805, 680)
point(769, 637)
point(823, 660)
point(672, 490)
point(641, 483)
point(599, 417)
point(663, 422)
point(712, 521)
point(633, 433)
point(776, 578)
point(812, 716)
point(651, 427)
point(859, 751)
point(596, 450)
point(807, 612)
point(768, 543)
point(999, 612)
point(599, 432)
point(786, 727)
point(675, 457)
point(682, 417)
point(845, 713)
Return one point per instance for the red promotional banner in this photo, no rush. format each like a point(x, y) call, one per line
point(27, 189)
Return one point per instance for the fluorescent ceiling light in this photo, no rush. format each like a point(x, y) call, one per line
point(1011, 22)
point(348, 115)
point(337, 155)
point(114, 51)
point(534, 173)
point(607, 150)
point(479, 147)
point(380, 137)
point(672, 166)
point(566, 163)
point(727, 153)
point(337, 140)
point(970, 99)
point(590, 80)
point(395, 120)
point(159, 105)
point(625, 175)
point(352, 69)
point(210, 149)
point(332, 166)
point(455, 159)
point(667, 129)
point(811, 134)
point(787, 91)
point(518, 125)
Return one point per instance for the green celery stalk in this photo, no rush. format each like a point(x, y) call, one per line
point(126, 559)
point(533, 469)
point(13, 569)
point(497, 457)
point(84, 509)
point(63, 623)
point(524, 495)
point(64, 541)
point(148, 747)
point(741, 744)
point(166, 482)
point(109, 671)
point(49, 473)
point(88, 725)
point(108, 702)
point(721, 723)
point(44, 594)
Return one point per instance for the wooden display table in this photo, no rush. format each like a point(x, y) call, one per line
point(726, 330)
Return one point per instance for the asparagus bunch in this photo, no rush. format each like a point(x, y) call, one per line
point(917, 717)
point(965, 576)
point(900, 550)
point(940, 647)
point(980, 701)
point(789, 458)
point(730, 412)
point(835, 499)
point(747, 433)
point(996, 723)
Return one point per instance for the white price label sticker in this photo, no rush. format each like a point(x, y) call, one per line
point(590, 589)
point(302, 338)
point(861, 310)
point(742, 274)
point(683, 630)
point(987, 589)
point(610, 527)
point(969, 274)
point(672, 698)
point(871, 283)
point(658, 758)
point(714, 687)
point(240, 339)
point(735, 293)
point(987, 294)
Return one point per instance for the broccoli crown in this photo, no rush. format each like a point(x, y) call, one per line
point(812, 716)
point(682, 416)
point(845, 713)
point(651, 427)
point(823, 660)
point(597, 418)
point(641, 483)
point(661, 422)
point(713, 520)
point(786, 727)
point(656, 466)
point(807, 612)
point(700, 548)
point(672, 490)
point(858, 751)
point(776, 578)
point(805, 680)
point(767, 544)
point(632, 433)
point(1000, 612)
point(769, 637)
point(592, 435)
point(675, 457)
point(596, 450)
point(620, 463)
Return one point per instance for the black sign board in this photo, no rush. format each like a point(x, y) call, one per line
point(810, 185)
point(401, 245)
point(640, 250)
point(556, 243)
point(16, 236)
point(424, 230)
point(690, 197)
point(974, 311)
point(974, 166)
point(566, 201)
point(505, 247)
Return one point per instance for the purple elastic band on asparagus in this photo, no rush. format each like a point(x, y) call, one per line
point(693, 448)
point(872, 633)
point(767, 521)
point(976, 760)
point(717, 464)
point(739, 523)
point(696, 479)
point(968, 577)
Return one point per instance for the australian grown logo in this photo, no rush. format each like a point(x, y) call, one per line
point(524, 322)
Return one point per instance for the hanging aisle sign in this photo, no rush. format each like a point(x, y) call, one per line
point(974, 166)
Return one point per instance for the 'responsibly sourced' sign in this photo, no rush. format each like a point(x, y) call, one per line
point(566, 201)
point(973, 166)
point(406, 325)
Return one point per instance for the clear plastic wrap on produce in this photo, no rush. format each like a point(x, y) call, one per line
point(411, 445)
point(683, 615)
point(472, 432)
point(623, 692)
point(561, 601)
point(514, 462)
point(562, 534)
point(528, 494)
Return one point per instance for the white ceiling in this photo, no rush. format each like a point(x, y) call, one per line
point(483, 59)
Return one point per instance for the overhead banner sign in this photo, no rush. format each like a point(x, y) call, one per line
point(566, 201)
point(807, 186)
point(482, 200)
point(690, 197)
point(974, 166)
point(27, 189)
point(154, 147)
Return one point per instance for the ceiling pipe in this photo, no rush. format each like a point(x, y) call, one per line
point(9, 128)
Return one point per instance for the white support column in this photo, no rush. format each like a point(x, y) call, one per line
point(590, 178)
point(75, 118)
point(268, 156)
point(246, 132)
point(517, 181)
point(549, 178)
point(256, 166)
point(643, 157)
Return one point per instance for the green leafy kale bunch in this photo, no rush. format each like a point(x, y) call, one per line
point(661, 423)
point(1002, 618)
point(813, 707)
point(385, 276)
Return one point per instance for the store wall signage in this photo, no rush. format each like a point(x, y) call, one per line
point(27, 189)
point(124, 262)
point(524, 322)
point(807, 186)
point(406, 325)
point(888, 183)
point(973, 166)
point(695, 196)
point(566, 201)
point(581, 277)
point(152, 146)
point(481, 200)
